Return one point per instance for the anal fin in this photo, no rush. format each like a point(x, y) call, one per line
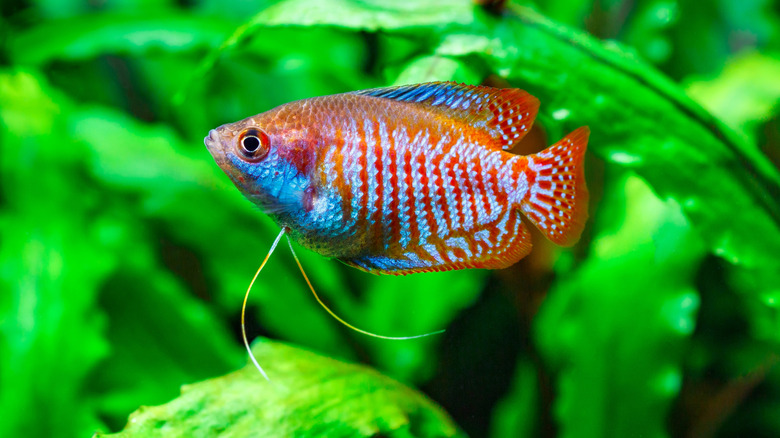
point(497, 245)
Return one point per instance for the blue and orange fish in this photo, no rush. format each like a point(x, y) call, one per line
point(408, 179)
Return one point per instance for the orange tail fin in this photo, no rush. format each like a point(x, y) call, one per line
point(557, 198)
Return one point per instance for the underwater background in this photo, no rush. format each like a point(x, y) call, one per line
point(125, 251)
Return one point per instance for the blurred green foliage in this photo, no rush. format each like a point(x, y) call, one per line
point(124, 252)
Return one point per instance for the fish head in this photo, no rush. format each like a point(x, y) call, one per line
point(261, 160)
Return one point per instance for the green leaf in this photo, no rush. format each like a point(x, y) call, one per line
point(648, 29)
point(615, 331)
point(518, 412)
point(436, 68)
point(309, 395)
point(370, 15)
point(744, 94)
point(156, 321)
point(87, 36)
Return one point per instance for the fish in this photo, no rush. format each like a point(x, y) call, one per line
point(409, 179)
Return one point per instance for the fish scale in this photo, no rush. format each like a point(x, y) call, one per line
point(410, 179)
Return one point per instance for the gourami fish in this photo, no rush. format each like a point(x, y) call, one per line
point(408, 179)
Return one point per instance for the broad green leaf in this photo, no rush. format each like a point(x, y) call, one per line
point(568, 12)
point(155, 320)
point(744, 94)
point(706, 35)
point(27, 109)
point(615, 331)
point(517, 414)
point(371, 15)
point(648, 29)
point(87, 36)
point(308, 395)
point(436, 68)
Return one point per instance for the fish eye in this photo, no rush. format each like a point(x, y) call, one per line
point(253, 144)
point(250, 143)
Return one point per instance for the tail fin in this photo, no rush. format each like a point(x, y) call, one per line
point(557, 199)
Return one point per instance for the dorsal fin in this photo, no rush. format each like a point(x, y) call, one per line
point(504, 114)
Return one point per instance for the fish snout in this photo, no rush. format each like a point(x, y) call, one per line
point(212, 141)
point(215, 144)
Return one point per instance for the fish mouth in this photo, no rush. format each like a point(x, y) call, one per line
point(213, 143)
